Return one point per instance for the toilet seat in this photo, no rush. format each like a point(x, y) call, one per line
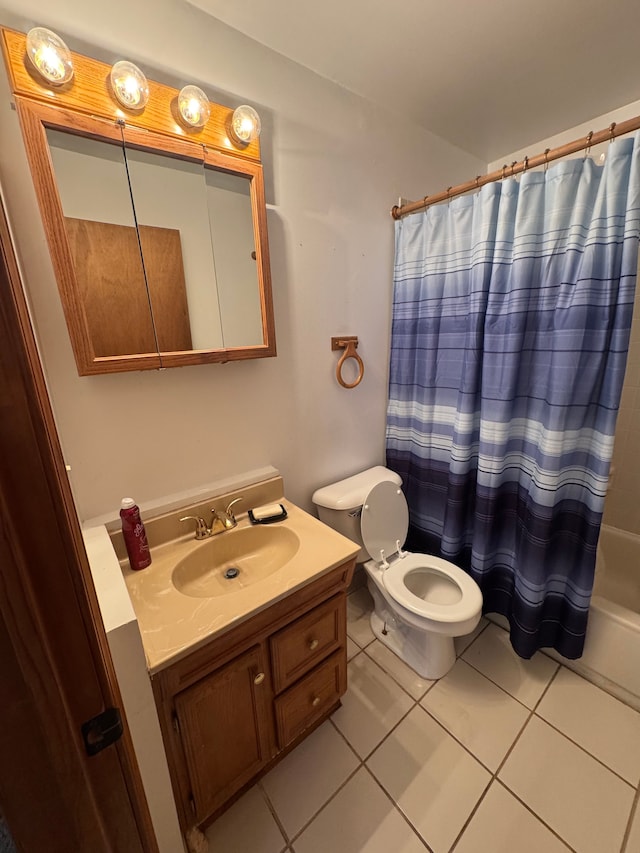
point(425, 585)
point(453, 594)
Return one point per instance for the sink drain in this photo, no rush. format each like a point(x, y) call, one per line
point(231, 573)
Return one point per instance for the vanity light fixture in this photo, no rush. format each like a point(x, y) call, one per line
point(49, 55)
point(129, 85)
point(193, 106)
point(245, 124)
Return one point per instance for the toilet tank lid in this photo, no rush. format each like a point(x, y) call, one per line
point(350, 493)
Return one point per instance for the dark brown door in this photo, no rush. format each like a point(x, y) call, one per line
point(55, 667)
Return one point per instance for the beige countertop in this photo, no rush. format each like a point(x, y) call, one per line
point(172, 623)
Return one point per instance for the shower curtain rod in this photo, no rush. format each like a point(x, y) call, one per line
point(614, 130)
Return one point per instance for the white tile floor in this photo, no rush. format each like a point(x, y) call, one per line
point(499, 756)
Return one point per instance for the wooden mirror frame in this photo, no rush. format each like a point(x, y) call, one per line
point(86, 107)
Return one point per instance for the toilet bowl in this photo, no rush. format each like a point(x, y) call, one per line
point(421, 602)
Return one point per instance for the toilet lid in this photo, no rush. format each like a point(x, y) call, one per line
point(384, 520)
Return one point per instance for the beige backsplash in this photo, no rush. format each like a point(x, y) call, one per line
point(167, 527)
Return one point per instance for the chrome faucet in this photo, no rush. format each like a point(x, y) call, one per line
point(220, 521)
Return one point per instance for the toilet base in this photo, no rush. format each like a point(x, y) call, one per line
point(430, 655)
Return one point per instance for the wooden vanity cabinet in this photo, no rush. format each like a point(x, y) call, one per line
point(235, 706)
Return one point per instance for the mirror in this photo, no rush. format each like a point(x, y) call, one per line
point(100, 223)
point(158, 242)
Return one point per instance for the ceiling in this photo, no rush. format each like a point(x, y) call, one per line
point(490, 76)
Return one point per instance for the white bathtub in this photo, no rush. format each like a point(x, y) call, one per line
point(612, 649)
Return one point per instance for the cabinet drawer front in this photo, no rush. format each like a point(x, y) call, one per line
point(308, 700)
point(300, 646)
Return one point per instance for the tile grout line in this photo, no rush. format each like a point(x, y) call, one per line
point(537, 816)
point(532, 711)
point(363, 764)
point(524, 705)
point(496, 780)
point(509, 752)
point(306, 826)
point(417, 703)
point(471, 815)
point(585, 750)
point(398, 809)
point(568, 737)
point(274, 814)
point(610, 691)
point(393, 678)
point(479, 634)
point(494, 775)
point(535, 712)
point(456, 739)
point(391, 730)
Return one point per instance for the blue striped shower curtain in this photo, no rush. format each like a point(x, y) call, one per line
point(511, 319)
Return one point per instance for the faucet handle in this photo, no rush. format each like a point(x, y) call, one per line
point(202, 531)
point(229, 512)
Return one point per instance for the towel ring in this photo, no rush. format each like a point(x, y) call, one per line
point(348, 343)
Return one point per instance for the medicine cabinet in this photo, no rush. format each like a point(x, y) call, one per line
point(157, 233)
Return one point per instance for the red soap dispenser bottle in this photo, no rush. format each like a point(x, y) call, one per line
point(135, 536)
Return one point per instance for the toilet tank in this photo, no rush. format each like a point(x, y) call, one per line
point(340, 504)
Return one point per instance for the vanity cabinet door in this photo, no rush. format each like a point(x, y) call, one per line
point(224, 724)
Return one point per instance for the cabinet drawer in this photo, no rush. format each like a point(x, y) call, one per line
point(300, 646)
point(311, 697)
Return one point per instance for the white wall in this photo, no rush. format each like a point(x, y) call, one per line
point(595, 124)
point(334, 165)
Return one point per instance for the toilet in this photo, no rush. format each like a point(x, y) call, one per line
point(420, 602)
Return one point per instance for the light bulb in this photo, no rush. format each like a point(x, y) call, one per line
point(49, 55)
point(129, 85)
point(245, 124)
point(193, 106)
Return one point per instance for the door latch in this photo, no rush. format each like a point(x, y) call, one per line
point(101, 731)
